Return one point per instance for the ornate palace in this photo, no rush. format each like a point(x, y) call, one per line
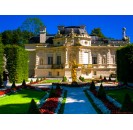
point(52, 55)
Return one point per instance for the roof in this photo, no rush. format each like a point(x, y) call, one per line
point(36, 39)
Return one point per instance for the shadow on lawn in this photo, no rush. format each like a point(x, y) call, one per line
point(14, 108)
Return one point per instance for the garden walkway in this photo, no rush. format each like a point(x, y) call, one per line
point(77, 102)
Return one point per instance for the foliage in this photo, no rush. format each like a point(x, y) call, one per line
point(33, 109)
point(100, 76)
point(82, 78)
point(37, 80)
point(109, 78)
point(92, 86)
point(101, 92)
point(13, 85)
point(97, 32)
point(1, 81)
point(104, 78)
point(16, 37)
point(127, 105)
point(64, 79)
point(24, 83)
point(17, 63)
point(31, 81)
point(31, 25)
point(1, 57)
point(124, 63)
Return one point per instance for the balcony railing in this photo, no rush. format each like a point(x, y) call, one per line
point(53, 66)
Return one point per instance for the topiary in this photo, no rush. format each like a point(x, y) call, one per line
point(64, 79)
point(101, 92)
point(127, 105)
point(13, 85)
point(33, 109)
point(31, 82)
point(37, 80)
point(104, 78)
point(24, 83)
point(82, 78)
point(1, 82)
point(109, 78)
point(92, 86)
point(100, 76)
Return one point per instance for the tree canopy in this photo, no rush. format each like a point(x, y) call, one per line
point(31, 25)
point(1, 56)
point(97, 32)
point(17, 37)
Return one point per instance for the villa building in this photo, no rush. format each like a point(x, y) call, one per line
point(52, 55)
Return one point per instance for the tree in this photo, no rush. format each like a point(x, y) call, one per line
point(97, 32)
point(127, 105)
point(31, 25)
point(33, 109)
point(17, 37)
point(101, 92)
point(92, 86)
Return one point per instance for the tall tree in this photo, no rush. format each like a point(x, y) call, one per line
point(97, 32)
point(32, 25)
point(17, 37)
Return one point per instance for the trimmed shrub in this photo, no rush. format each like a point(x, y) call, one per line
point(92, 86)
point(1, 82)
point(82, 78)
point(31, 81)
point(127, 105)
point(64, 79)
point(101, 77)
point(1, 57)
point(33, 109)
point(17, 63)
point(24, 83)
point(109, 78)
point(101, 92)
point(124, 63)
point(13, 85)
point(37, 80)
point(105, 78)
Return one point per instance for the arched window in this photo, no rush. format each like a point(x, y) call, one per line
point(41, 61)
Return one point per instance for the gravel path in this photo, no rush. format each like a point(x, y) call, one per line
point(77, 102)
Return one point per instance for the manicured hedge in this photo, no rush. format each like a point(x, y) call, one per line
point(125, 64)
point(17, 63)
point(1, 57)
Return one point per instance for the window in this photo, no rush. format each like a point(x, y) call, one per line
point(95, 73)
point(58, 73)
point(94, 60)
point(58, 60)
point(50, 73)
point(41, 61)
point(50, 60)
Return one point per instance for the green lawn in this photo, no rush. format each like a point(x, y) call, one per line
point(18, 103)
point(119, 94)
point(51, 81)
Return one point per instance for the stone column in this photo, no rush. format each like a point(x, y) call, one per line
point(98, 58)
point(66, 56)
point(108, 56)
point(90, 57)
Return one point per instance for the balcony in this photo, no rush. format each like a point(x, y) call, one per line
point(53, 66)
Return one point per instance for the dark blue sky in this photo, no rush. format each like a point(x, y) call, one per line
point(111, 25)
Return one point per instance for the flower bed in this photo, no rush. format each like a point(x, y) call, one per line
point(110, 105)
point(52, 104)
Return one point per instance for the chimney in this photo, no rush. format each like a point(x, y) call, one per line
point(42, 34)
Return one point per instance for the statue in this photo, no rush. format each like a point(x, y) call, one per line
point(73, 71)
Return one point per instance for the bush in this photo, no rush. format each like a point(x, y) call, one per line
point(82, 78)
point(37, 80)
point(33, 109)
point(100, 76)
point(64, 79)
point(31, 81)
point(13, 85)
point(1, 81)
point(127, 105)
point(24, 83)
point(104, 78)
point(109, 78)
point(101, 92)
point(92, 86)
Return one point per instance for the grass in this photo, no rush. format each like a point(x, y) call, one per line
point(120, 94)
point(61, 111)
point(18, 103)
point(91, 101)
point(51, 81)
